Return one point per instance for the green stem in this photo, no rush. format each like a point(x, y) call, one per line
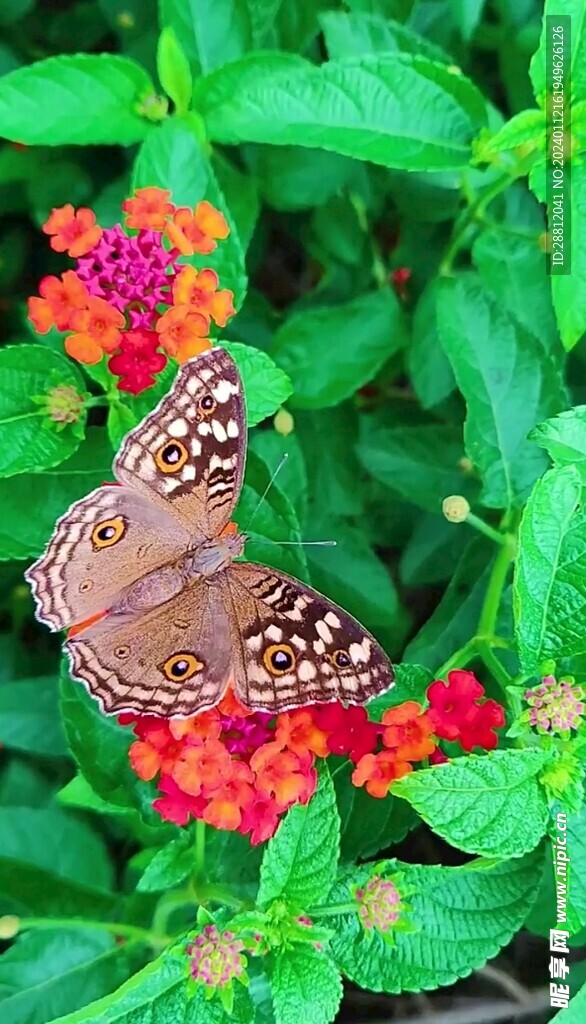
point(129, 931)
point(200, 849)
point(492, 663)
point(460, 658)
point(379, 270)
point(496, 584)
point(488, 531)
point(470, 215)
point(332, 911)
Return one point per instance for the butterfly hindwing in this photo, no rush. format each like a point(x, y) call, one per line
point(101, 545)
point(292, 646)
point(188, 454)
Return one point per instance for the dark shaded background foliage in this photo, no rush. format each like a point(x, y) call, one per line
point(329, 231)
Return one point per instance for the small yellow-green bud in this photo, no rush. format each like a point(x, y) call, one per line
point(284, 423)
point(9, 926)
point(455, 508)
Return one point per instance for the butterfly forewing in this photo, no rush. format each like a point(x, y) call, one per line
point(188, 454)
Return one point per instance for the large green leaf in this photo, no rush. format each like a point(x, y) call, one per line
point(508, 383)
point(26, 443)
point(550, 575)
point(79, 98)
point(348, 34)
point(212, 32)
point(331, 352)
point(266, 386)
point(501, 809)
point(575, 58)
point(29, 890)
point(305, 985)
point(429, 367)
point(462, 917)
point(29, 716)
point(299, 863)
point(569, 289)
point(62, 843)
point(24, 536)
point(369, 825)
point(564, 437)
point(355, 107)
point(174, 157)
point(158, 995)
point(48, 973)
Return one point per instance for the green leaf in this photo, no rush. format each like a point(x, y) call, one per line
point(550, 574)
point(420, 463)
point(328, 438)
point(174, 71)
point(78, 793)
point(63, 844)
point(26, 889)
point(564, 437)
point(212, 32)
point(462, 916)
point(174, 157)
point(306, 342)
point(569, 290)
point(159, 994)
point(411, 682)
point(506, 382)
point(575, 60)
point(269, 522)
point(355, 107)
point(295, 178)
point(29, 717)
point(358, 32)
point(429, 367)
point(24, 536)
point(240, 190)
point(369, 825)
point(26, 442)
point(266, 386)
point(526, 126)
point(514, 270)
point(79, 98)
point(299, 862)
point(501, 809)
point(168, 867)
point(305, 985)
point(48, 973)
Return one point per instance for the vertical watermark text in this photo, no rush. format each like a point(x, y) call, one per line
point(559, 992)
point(559, 142)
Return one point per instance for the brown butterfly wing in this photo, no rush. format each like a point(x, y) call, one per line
point(77, 576)
point(325, 654)
point(188, 454)
point(130, 666)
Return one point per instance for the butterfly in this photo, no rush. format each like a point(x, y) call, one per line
point(156, 553)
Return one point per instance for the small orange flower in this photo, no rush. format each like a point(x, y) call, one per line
point(59, 298)
point(202, 768)
point(183, 332)
point(199, 290)
point(281, 773)
point(74, 231)
point(206, 725)
point(97, 330)
point(148, 208)
point(408, 731)
point(194, 230)
point(229, 704)
point(228, 801)
point(298, 731)
point(377, 771)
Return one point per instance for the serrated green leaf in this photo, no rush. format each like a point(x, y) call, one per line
point(411, 682)
point(462, 917)
point(175, 157)
point(507, 383)
point(305, 984)
point(550, 574)
point(574, 49)
point(349, 34)
point(26, 442)
point(569, 290)
point(158, 993)
point(168, 867)
point(48, 973)
point(24, 536)
point(353, 106)
point(29, 717)
point(363, 334)
point(299, 862)
point(526, 126)
point(266, 386)
point(212, 32)
point(174, 71)
point(76, 98)
point(564, 437)
point(501, 809)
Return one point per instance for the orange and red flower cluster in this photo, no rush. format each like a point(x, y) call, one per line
point(128, 297)
point(241, 770)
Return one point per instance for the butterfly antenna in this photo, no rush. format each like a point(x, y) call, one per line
point(282, 462)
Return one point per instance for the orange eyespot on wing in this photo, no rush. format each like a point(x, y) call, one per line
point(279, 659)
point(171, 457)
point(181, 666)
point(108, 532)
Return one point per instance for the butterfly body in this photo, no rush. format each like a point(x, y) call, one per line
point(153, 559)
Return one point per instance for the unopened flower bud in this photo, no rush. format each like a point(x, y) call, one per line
point(379, 904)
point(455, 508)
point(284, 423)
point(9, 926)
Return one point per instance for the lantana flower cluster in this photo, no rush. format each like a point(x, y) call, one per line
point(129, 298)
point(240, 770)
